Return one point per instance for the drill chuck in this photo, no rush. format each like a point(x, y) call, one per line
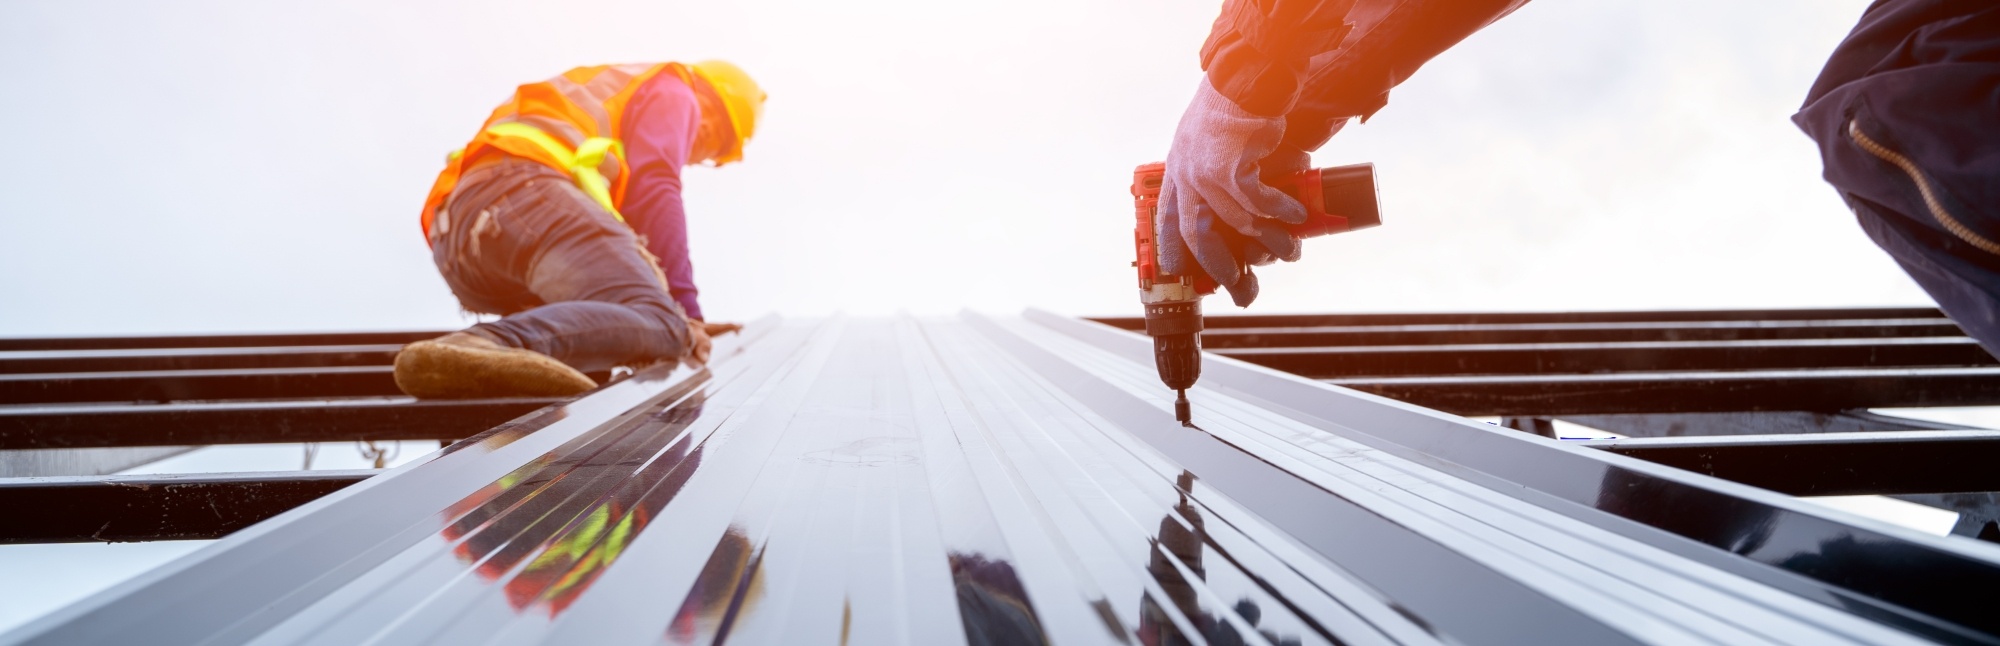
point(1176, 330)
point(1178, 357)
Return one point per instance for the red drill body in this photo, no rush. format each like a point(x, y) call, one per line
point(1337, 199)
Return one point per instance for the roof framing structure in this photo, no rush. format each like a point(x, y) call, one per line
point(1020, 479)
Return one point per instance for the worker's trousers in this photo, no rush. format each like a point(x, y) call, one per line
point(1907, 117)
point(520, 239)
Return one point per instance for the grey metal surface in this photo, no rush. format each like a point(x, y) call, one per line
point(985, 480)
point(1613, 356)
point(1227, 336)
point(1693, 318)
point(1755, 423)
point(1978, 512)
point(81, 461)
point(1886, 462)
point(1562, 395)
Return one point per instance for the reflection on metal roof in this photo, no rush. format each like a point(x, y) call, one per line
point(1020, 480)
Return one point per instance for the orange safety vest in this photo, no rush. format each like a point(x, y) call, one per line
point(570, 123)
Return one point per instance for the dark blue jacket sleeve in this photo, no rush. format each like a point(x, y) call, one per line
point(659, 129)
point(1918, 81)
point(1907, 117)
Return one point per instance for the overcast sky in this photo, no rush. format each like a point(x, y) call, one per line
point(209, 165)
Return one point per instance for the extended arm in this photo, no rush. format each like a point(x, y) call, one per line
point(1389, 41)
point(659, 129)
point(1282, 77)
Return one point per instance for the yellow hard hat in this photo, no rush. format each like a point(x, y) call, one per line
point(740, 97)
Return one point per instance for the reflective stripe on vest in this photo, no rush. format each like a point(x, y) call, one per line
point(581, 164)
point(570, 123)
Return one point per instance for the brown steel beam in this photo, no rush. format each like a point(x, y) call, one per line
point(155, 507)
point(1692, 392)
point(255, 423)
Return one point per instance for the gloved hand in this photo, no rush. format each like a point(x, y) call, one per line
point(1215, 210)
point(700, 338)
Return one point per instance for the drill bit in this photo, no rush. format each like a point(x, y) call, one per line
point(1181, 408)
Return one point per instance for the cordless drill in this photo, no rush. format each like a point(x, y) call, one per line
point(1337, 199)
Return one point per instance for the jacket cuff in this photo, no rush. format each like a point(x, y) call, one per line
point(1258, 50)
point(689, 306)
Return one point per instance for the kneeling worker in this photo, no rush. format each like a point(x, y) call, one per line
point(564, 215)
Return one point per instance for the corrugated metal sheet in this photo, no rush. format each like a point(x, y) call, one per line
point(1019, 480)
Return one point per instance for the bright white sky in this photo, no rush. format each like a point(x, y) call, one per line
point(230, 165)
point(212, 165)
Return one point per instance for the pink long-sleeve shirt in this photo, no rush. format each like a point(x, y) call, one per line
point(659, 129)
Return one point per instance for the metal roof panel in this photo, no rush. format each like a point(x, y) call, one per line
point(1017, 479)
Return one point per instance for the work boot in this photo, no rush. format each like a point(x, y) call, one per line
point(462, 365)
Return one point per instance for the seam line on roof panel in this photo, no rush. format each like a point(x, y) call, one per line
point(943, 422)
point(1137, 376)
point(1505, 453)
point(355, 590)
point(969, 375)
point(1065, 420)
point(753, 506)
point(1254, 484)
point(672, 395)
point(1561, 576)
point(735, 452)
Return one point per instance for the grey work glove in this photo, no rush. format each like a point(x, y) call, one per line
point(1216, 213)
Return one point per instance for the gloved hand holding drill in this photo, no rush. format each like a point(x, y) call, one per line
point(1217, 214)
point(1233, 194)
